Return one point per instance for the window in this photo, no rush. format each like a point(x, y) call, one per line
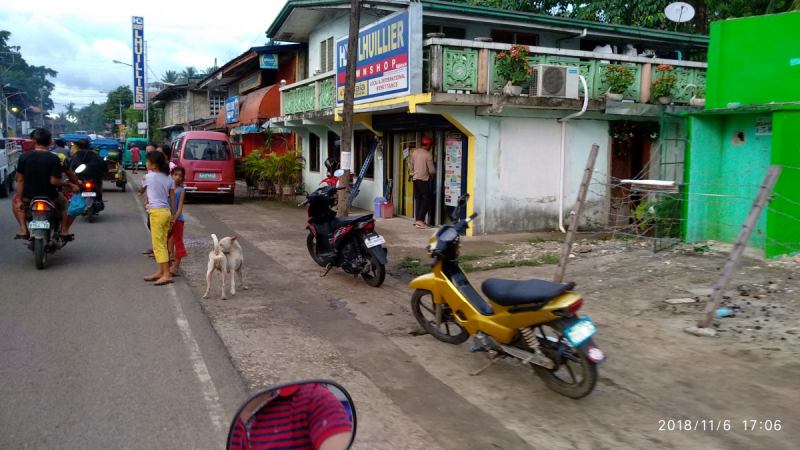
point(216, 103)
point(313, 152)
point(363, 140)
point(250, 83)
point(510, 37)
point(236, 143)
point(326, 61)
point(206, 150)
point(449, 32)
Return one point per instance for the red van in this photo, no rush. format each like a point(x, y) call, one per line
point(208, 160)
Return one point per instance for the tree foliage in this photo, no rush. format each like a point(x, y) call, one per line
point(119, 98)
point(644, 13)
point(170, 76)
point(30, 80)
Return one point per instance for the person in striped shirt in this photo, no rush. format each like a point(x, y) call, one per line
point(298, 417)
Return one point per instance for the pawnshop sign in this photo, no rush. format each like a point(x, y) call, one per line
point(139, 91)
point(389, 61)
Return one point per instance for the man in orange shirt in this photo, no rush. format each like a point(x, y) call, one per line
point(421, 164)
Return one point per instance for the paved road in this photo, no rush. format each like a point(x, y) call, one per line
point(91, 356)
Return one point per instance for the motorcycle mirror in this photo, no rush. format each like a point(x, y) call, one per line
point(256, 423)
point(80, 168)
point(338, 173)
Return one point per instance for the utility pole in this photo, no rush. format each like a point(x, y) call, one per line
point(41, 106)
point(347, 109)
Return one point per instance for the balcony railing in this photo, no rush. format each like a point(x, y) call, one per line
point(453, 65)
point(461, 66)
point(313, 94)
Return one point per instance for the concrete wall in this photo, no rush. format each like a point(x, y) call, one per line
point(724, 178)
point(199, 105)
point(751, 60)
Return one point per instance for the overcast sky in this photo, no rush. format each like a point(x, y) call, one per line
point(79, 39)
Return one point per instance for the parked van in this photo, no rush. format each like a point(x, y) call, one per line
point(141, 143)
point(208, 160)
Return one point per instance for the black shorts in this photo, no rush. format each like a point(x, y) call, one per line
point(61, 202)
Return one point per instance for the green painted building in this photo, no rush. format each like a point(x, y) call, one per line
point(751, 121)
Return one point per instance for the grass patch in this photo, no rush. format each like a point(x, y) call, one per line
point(414, 266)
point(470, 257)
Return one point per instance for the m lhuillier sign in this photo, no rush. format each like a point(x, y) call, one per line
point(389, 62)
point(139, 90)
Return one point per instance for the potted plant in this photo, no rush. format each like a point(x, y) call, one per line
point(513, 66)
point(288, 171)
point(698, 96)
point(618, 79)
point(664, 84)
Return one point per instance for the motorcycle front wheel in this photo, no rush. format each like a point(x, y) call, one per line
point(575, 375)
point(424, 309)
point(39, 253)
point(311, 243)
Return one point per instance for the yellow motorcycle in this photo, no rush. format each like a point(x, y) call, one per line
point(534, 321)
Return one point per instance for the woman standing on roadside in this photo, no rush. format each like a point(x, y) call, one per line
point(160, 196)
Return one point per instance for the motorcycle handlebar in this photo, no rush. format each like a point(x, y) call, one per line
point(304, 203)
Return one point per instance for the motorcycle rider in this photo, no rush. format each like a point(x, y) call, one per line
point(39, 175)
point(95, 166)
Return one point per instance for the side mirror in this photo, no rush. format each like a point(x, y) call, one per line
point(80, 168)
point(338, 173)
point(320, 405)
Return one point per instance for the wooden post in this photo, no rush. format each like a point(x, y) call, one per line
point(576, 215)
point(347, 108)
point(762, 198)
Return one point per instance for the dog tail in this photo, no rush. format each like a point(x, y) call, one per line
point(216, 244)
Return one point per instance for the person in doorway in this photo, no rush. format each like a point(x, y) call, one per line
point(160, 197)
point(421, 164)
point(177, 251)
point(136, 158)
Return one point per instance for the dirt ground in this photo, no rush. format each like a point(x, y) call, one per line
point(414, 392)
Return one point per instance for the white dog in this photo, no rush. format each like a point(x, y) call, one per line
point(226, 257)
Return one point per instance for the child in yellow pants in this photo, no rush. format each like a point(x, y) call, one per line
point(160, 195)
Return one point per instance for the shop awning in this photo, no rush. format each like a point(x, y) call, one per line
point(245, 129)
point(260, 105)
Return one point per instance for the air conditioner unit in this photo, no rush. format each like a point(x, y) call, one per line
point(554, 81)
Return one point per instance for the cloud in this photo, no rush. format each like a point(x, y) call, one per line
point(80, 43)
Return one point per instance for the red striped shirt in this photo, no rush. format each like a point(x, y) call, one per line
point(298, 418)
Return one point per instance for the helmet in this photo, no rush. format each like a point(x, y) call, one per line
point(427, 141)
point(331, 164)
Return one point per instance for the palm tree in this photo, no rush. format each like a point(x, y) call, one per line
point(70, 110)
point(211, 70)
point(170, 77)
point(189, 72)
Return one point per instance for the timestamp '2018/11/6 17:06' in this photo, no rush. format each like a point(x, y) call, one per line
point(717, 425)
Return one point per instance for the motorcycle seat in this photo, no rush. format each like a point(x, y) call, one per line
point(345, 221)
point(523, 292)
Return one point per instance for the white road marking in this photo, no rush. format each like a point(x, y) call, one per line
point(215, 411)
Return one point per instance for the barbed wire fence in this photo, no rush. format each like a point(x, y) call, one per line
point(668, 213)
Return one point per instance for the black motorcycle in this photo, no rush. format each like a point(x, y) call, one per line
point(347, 242)
point(91, 194)
point(44, 221)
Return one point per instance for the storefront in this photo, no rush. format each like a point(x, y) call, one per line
point(403, 134)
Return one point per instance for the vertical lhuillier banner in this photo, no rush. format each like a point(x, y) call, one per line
point(139, 90)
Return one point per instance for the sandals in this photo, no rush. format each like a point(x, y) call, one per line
point(164, 283)
point(421, 227)
point(22, 236)
point(148, 252)
point(66, 237)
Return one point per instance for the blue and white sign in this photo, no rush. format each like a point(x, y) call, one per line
point(139, 88)
point(232, 110)
point(389, 61)
point(268, 61)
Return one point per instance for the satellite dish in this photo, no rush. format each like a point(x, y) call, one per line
point(679, 12)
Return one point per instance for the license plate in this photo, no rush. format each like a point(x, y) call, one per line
point(88, 194)
point(39, 225)
point(374, 241)
point(580, 331)
point(208, 176)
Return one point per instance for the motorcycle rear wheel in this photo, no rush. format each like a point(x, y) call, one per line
point(563, 378)
point(90, 216)
point(377, 275)
point(39, 253)
point(422, 300)
point(311, 243)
